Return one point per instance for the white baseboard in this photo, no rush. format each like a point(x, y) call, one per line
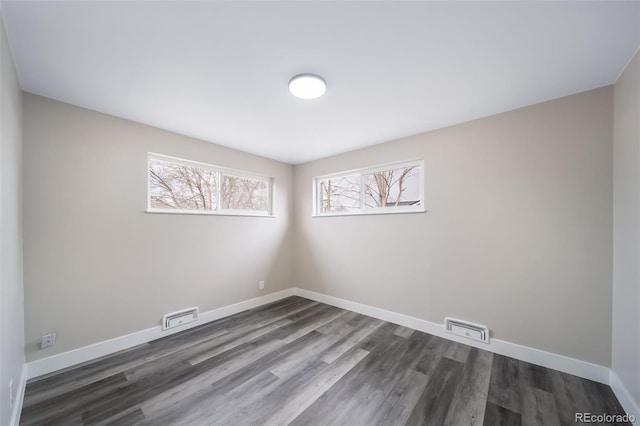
point(97, 350)
point(562, 363)
point(629, 404)
point(19, 399)
point(558, 362)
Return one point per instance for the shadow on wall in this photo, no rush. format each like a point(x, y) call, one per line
point(279, 275)
point(307, 273)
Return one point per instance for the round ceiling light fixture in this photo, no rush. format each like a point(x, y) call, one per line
point(307, 86)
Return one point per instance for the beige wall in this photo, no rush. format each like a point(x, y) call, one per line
point(626, 248)
point(96, 265)
point(11, 290)
point(518, 235)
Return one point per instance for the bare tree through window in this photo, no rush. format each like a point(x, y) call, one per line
point(399, 186)
point(178, 185)
point(340, 194)
point(240, 193)
point(392, 188)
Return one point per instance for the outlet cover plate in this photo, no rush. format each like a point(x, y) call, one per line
point(48, 340)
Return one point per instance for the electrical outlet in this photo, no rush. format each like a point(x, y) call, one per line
point(48, 340)
point(261, 285)
point(10, 393)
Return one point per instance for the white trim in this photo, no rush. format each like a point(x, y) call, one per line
point(184, 161)
point(550, 360)
point(19, 398)
point(378, 211)
point(376, 168)
point(562, 363)
point(629, 404)
point(222, 172)
point(242, 213)
point(363, 210)
point(88, 353)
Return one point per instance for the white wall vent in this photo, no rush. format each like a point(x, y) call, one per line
point(467, 329)
point(175, 319)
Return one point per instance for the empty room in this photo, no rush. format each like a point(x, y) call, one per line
point(347, 213)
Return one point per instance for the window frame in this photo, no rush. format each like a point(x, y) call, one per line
point(419, 208)
point(222, 172)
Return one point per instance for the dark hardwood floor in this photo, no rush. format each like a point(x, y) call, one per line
point(300, 362)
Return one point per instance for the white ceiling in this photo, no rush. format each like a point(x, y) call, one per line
point(219, 70)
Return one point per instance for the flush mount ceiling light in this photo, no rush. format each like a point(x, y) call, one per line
point(307, 86)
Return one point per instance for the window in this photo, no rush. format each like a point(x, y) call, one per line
point(245, 193)
point(393, 188)
point(182, 186)
point(340, 194)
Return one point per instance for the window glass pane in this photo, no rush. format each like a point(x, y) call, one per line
point(177, 186)
point(392, 188)
point(240, 193)
point(339, 194)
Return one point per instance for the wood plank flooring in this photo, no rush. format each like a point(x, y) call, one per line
point(300, 362)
